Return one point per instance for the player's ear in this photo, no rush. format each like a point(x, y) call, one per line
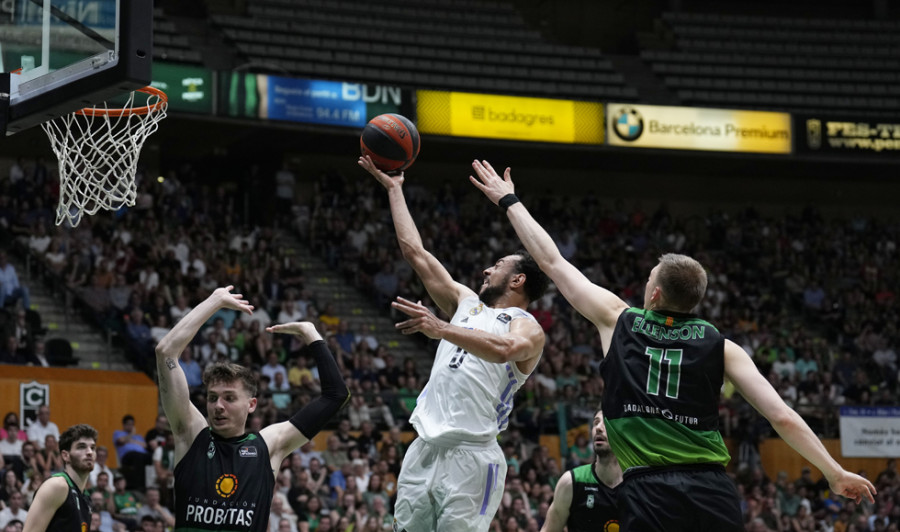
point(517, 280)
point(253, 402)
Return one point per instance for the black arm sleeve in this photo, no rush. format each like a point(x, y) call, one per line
point(312, 417)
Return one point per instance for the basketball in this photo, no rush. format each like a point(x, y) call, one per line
point(392, 141)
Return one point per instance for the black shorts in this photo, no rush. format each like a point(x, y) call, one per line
point(693, 498)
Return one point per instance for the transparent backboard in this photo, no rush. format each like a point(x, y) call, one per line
point(64, 55)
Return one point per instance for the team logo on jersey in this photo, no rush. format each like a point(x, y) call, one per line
point(226, 485)
point(504, 318)
point(474, 311)
point(611, 526)
point(84, 527)
point(590, 501)
point(211, 451)
point(248, 452)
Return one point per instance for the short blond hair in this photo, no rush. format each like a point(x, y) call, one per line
point(227, 373)
point(682, 280)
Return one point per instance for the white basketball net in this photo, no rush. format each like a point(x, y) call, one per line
point(98, 150)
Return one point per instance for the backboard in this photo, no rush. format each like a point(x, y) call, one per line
point(70, 54)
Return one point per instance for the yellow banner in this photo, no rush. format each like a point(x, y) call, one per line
point(509, 117)
point(692, 128)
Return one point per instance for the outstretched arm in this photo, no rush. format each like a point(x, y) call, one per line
point(522, 344)
point(283, 438)
point(185, 420)
point(595, 303)
point(444, 291)
point(740, 370)
point(558, 513)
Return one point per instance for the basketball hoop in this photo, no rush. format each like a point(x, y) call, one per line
point(98, 150)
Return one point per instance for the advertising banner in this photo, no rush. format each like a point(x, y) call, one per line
point(693, 128)
point(833, 136)
point(869, 431)
point(461, 114)
point(334, 103)
point(189, 88)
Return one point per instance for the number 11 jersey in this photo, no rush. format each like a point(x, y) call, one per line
point(663, 374)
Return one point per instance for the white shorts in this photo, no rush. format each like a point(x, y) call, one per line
point(450, 489)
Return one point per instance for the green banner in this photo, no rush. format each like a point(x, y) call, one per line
point(188, 87)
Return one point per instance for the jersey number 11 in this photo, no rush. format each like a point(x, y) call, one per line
point(672, 359)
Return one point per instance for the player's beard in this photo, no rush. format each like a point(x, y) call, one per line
point(490, 293)
point(80, 466)
point(602, 453)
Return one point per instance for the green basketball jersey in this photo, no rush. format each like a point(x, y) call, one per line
point(663, 375)
point(593, 506)
point(74, 514)
point(224, 484)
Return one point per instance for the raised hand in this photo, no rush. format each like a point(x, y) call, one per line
point(386, 181)
point(304, 329)
point(490, 182)
point(233, 301)
point(421, 319)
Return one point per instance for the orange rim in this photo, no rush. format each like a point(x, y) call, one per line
point(94, 111)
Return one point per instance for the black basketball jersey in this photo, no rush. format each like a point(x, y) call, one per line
point(593, 506)
point(663, 374)
point(74, 515)
point(224, 484)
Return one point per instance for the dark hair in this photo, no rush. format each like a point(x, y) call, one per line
point(75, 433)
point(229, 372)
point(682, 280)
point(536, 281)
point(127, 418)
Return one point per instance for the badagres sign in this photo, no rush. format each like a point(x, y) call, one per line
point(463, 114)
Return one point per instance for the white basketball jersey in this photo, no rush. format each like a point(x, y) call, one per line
point(468, 399)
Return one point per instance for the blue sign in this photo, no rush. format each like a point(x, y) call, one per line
point(313, 101)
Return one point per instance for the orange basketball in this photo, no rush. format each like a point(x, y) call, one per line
point(392, 141)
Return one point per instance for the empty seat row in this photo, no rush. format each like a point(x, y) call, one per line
point(789, 101)
point(832, 50)
point(424, 79)
point(854, 89)
point(770, 22)
point(692, 69)
point(429, 64)
point(787, 36)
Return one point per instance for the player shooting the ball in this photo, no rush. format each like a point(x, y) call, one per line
point(452, 477)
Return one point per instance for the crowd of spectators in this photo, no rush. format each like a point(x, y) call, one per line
point(810, 297)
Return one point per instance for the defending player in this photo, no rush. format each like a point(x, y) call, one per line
point(225, 476)
point(60, 504)
point(585, 497)
point(663, 370)
point(452, 476)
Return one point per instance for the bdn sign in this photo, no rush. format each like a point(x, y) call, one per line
point(32, 395)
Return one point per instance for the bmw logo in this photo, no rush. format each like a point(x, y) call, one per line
point(628, 124)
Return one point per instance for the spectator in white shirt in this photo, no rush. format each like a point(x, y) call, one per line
point(101, 455)
point(272, 367)
point(15, 510)
point(42, 427)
